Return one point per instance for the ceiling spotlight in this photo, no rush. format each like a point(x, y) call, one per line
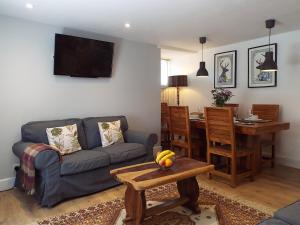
point(29, 6)
point(127, 25)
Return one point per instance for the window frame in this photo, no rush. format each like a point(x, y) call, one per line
point(168, 73)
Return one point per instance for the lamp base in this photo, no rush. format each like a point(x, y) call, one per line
point(177, 90)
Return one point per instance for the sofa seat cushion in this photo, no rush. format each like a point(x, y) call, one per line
point(273, 222)
point(82, 161)
point(121, 152)
point(289, 214)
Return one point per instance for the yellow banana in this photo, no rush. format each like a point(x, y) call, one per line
point(162, 154)
point(167, 156)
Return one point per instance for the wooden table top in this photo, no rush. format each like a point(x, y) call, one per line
point(250, 129)
point(148, 175)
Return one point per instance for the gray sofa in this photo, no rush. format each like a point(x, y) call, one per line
point(289, 215)
point(85, 171)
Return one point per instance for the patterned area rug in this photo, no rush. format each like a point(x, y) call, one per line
point(179, 216)
point(227, 211)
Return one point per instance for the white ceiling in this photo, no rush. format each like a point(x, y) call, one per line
point(173, 23)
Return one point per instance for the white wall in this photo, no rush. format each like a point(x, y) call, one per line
point(29, 91)
point(197, 95)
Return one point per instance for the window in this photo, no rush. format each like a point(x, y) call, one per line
point(165, 71)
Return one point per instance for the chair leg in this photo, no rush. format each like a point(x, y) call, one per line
point(189, 152)
point(171, 147)
point(249, 163)
point(261, 155)
point(252, 158)
point(228, 165)
point(209, 175)
point(162, 141)
point(233, 172)
point(273, 157)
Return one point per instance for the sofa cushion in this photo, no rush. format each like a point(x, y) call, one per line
point(91, 128)
point(36, 131)
point(121, 152)
point(110, 133)
point(273, 222)
point(82, 161)
point(290, 214)
point(65, 139)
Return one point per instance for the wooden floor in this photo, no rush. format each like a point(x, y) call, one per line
point(273, 188)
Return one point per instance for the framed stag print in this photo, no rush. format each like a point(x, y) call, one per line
point(225, 69)
point(256, 77)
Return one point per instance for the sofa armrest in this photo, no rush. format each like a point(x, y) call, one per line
point(146, 139)
point(289, 214)
point(42, 160)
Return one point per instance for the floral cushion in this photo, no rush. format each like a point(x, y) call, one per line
point(110, 132)
point(64, 138)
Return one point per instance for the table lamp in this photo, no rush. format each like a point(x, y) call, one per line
point(177, 81)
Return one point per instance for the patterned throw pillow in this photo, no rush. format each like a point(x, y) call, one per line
point(64, 138)
point(110, 132)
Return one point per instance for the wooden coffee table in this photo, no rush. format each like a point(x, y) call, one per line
point(143, 176)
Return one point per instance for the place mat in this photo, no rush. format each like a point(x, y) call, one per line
point(252, 121)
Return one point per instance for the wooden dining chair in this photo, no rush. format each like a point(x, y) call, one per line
point(165, 126)
point(180, 129)
point(267, 112)
point(235, 107)
point(221, 141)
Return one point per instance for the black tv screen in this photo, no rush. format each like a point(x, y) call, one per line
point(82, 57)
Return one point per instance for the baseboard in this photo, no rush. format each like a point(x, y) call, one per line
point(295, 163)
point(7, 183)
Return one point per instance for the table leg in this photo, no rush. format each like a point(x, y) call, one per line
point(135, 205)
point(189, 188)
point(255, 144)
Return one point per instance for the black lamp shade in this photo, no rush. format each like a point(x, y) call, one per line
point(202, 70)
point(268, 65)
point(177, 81)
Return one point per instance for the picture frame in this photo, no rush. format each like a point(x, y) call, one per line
point(257, 78)
point(225, 66)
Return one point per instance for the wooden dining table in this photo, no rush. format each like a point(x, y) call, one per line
point(253, 130)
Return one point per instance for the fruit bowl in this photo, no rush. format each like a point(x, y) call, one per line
point(165, 159)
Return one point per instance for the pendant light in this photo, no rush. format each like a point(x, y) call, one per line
point(202, 70)
point(269, 64)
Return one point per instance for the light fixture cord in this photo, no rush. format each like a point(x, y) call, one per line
point(270, 39)
point(202, 52)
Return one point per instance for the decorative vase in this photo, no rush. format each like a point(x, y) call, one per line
point(219, 102)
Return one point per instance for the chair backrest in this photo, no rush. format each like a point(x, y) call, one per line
point(219, 125)
point(266, 111)
point(165, 116)
point(180, 128)
point(179, 120)
point(235, 108)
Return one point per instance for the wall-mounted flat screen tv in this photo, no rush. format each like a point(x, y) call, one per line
point(82, 57)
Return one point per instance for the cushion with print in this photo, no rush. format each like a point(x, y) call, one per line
point(64, 138)
point(110, 132)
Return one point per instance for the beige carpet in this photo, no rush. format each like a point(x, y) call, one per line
point(216, 210)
